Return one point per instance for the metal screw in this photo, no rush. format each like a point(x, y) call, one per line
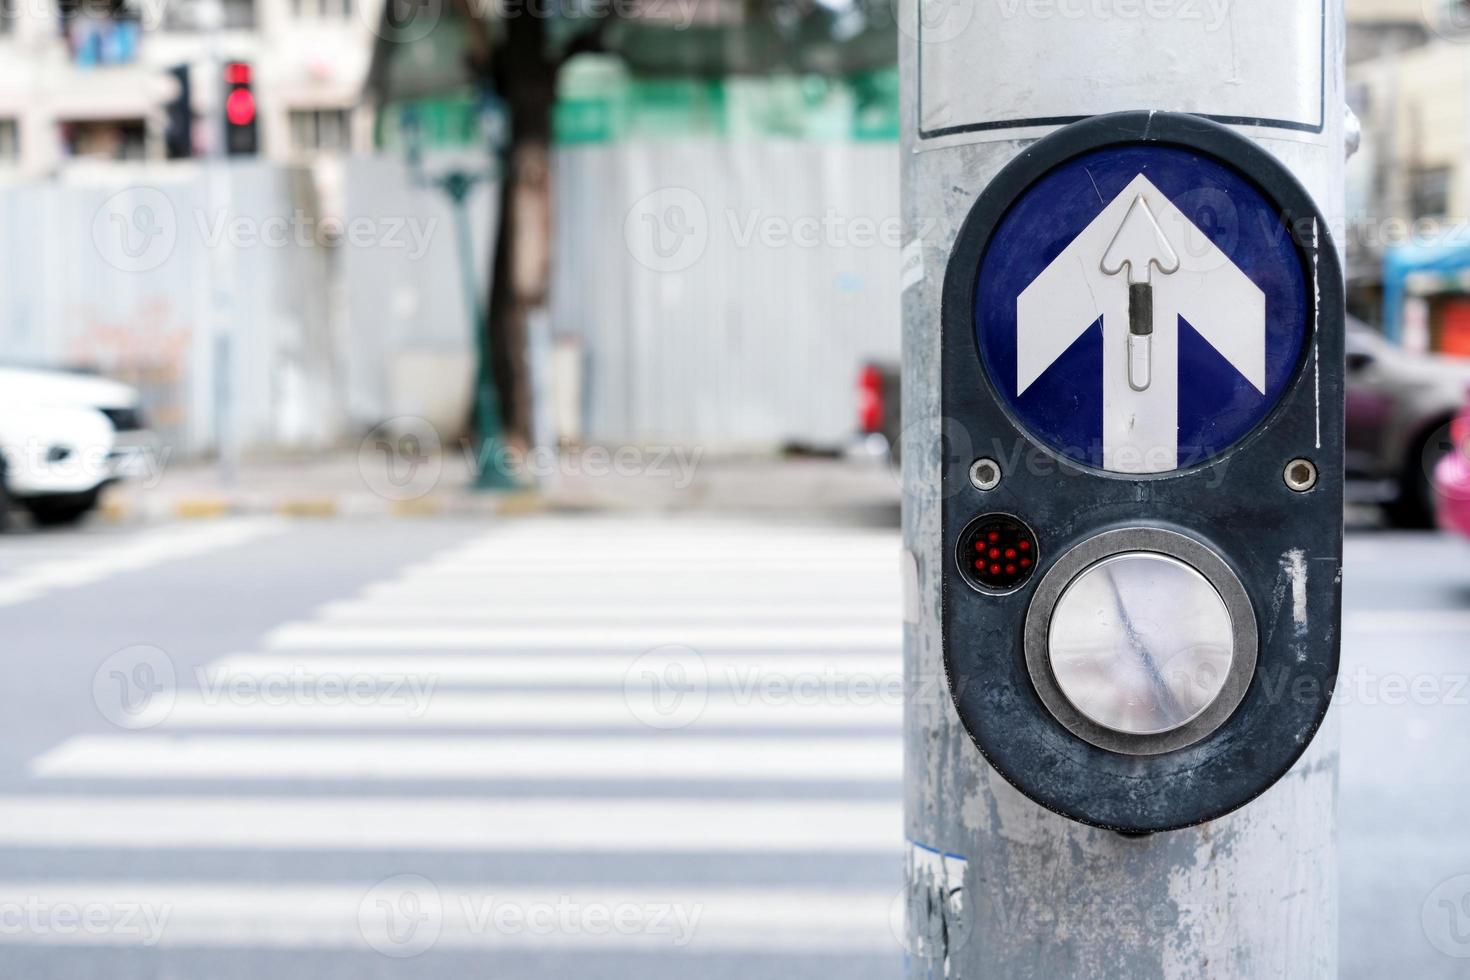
point(985, 474)
point(1301, 475)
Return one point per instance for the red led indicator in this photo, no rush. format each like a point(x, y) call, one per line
point(1006, 549)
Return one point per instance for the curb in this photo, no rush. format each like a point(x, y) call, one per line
point(125, 509)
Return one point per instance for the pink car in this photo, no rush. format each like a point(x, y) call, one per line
point(1452, 478)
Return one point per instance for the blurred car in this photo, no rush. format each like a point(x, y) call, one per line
point(56, 460)
point(41, 387)
point(1399, 405)
point(1452, 478)
point(879, 422)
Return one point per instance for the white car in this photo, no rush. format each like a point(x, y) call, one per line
point(55, 460)
point(63, 437)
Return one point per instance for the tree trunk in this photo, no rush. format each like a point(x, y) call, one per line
point(525, 77)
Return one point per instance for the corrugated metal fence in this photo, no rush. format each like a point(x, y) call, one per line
point(721, 293)
point(725, 293)
point(157, 276)
point(240, 309)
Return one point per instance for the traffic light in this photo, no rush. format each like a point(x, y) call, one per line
point(240, 111)
point(1142, 384)
point(178, 135)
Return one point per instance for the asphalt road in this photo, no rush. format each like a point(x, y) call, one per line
point(458, 749)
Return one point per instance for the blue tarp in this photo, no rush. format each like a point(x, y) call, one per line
point(1407, 260)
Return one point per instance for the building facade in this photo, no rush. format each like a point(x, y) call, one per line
point(94, 79)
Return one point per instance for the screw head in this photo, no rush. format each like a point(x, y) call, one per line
point(1301, 475)
point(985, 474)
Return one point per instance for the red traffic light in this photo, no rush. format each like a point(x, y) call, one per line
point(237, 73)
point(240, 107)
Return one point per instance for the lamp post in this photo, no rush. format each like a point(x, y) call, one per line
point(491, 470)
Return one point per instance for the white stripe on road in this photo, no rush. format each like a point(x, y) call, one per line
point(592, 825)
point(649, 610)
point(144, 550)
point(581, 564)
point(331, 636)
point(674, 756)
point(674, 533)
point(561, 670)
point(405, 916)
point(768, 586)
point(399, 706)
point(1407, 621)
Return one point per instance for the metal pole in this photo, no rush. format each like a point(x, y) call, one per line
point(220, 192)
point(998, 887)
point(491, 471)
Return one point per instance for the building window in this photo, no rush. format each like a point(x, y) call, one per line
point(9, 141)
point(1429, 191)
point(321, 130)
point(105, 139)
point(322, 9)
point(194, 15)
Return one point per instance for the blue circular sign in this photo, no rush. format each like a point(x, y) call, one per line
point(1141, 308)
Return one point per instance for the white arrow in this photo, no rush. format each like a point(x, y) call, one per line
point(1140, 247)
point(1141, 230)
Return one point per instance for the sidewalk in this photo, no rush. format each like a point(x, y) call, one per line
point(345, 484)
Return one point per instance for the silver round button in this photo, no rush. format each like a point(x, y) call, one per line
point(1141, 643)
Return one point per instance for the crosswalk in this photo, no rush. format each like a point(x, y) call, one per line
point(651, 707)
point(34, 569)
